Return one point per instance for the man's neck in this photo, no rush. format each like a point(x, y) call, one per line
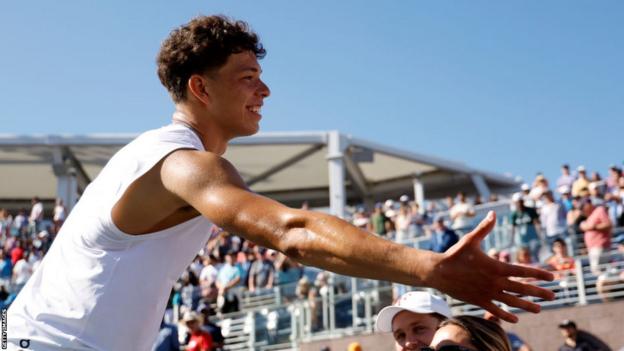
point(213, 139)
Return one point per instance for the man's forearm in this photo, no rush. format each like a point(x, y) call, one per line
point(330, 243)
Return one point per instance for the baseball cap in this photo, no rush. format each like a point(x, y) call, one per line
point(566, 323)
point(190, 316)
point(516, 197)
point(580, 168)
point(525, 187)
point(404, 198)
point(413, 301)
point(564, 189)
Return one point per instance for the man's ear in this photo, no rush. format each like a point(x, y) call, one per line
point(197, 88)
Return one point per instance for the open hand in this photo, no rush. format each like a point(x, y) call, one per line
point(466, 273)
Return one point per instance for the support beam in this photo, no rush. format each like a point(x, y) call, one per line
point(419, 193)
point(66, 183)
point(284, 164)
point(336, 165)
point(481, 185)
point(359, 181)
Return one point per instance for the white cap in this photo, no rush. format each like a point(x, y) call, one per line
point(516, 197)
point(580, 168)
point(190, 316)
point(564, 189)
point(414, 301)
point(525, 187)
point(404, 198)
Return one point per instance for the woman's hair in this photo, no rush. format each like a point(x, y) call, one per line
point(484, 335)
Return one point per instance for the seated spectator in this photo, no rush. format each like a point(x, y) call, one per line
point(576, 339)
point(190, 292)
point(209, 327)
point(402, 222)
point(199, 340)
point(208, 278)
point(470, 333)
point(413, 319)
point(524, 227)
point(462, 213)
point(379, 223)
point(597, 233)
point(442, 238)
point(560, 261)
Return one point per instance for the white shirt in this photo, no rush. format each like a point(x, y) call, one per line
point(462, 220)
point(36, 213)
point(99, 288)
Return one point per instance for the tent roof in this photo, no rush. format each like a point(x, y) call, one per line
point(289, 166)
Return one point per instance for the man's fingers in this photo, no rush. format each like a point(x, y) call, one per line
point(500, 313)
point(484, 227)
point(526, 289)
point(514, 301)
point(512, 270)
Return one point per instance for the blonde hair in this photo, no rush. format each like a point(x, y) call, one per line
point(485, 335)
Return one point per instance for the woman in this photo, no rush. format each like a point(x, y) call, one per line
point(469, 333)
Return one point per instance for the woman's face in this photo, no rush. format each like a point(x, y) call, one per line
point(451, 335)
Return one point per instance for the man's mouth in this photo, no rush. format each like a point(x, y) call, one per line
point(254, 108)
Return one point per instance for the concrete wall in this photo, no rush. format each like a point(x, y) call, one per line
point(605, 320)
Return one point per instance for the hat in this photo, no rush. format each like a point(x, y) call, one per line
point(404, 198)
point(516, 197)
point(413, 301)
point(580, 168)
point(566, 323)
point(564, 189)
point(190, 316)
point(525, 187)
point(354, 346)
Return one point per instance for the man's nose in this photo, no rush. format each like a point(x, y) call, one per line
point(264, 90)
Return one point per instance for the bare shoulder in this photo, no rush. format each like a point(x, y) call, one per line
point(187, 170)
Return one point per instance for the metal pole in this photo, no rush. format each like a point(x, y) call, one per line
point(335, 159)
point(580, 283)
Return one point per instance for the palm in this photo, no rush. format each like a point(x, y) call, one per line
point(468, 274)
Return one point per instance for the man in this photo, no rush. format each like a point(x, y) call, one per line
point(413, 319)
point(261, 272)
point(525, 227)
point(36, 215)
point(579, 340)
point(597, 232)
point(461, 213)
point(227, 280)
point(442, 238)
point(566, 179)
point(104, 283)
point(552, 217)
point(581, 183)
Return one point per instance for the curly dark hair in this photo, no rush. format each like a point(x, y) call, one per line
point(202, 45)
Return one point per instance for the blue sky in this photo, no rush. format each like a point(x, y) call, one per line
point(514, 87)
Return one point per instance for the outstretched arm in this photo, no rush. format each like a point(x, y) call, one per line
point(212, 186)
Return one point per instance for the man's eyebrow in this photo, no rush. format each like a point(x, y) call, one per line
point(253, 69)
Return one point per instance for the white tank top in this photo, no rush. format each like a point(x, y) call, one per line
point(99, 288)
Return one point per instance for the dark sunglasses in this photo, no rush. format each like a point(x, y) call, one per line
point(447, 348)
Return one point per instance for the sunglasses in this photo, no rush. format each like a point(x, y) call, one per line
point(446, 348)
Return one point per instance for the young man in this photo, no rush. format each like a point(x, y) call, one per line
point(105, 281)
point(413, 319)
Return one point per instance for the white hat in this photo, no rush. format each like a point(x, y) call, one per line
point(525, 187)
point(580, 168)
point(564, 189)
point(190, 316)
point(516, 197)
point(404, 198)
point(413, 301)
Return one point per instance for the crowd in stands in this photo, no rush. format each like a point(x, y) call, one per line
point(543, 218)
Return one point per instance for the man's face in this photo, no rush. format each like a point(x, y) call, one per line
point(568, 332)
point(236, 94)
point(412, 331)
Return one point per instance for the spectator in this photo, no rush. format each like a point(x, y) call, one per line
point(167, 339)
point(380, 224)
point(581, 183)
point(261, 272)
point(560, 261)
point(227, 279)
point(516, 343)
point(413, 319)
point(462, 213)
point(208, 278)
point(199, 339)
point(566, 179)
point(613, 180)
point(209, 327)
point(579, 340)
point(36, 215)
point(442, 238)
point(6, 268)
point(287, 271)
point(612, 280)
point(552, 217)
point(360, 219)
point(540, 186)
point(59, 215)
point(527, 200)
point(566, 198)
point(22, 271)
point(524, 227)
point(402, 222)
point(597, 233)
point(190, 293)
point(471, 333)
point(17, 253)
